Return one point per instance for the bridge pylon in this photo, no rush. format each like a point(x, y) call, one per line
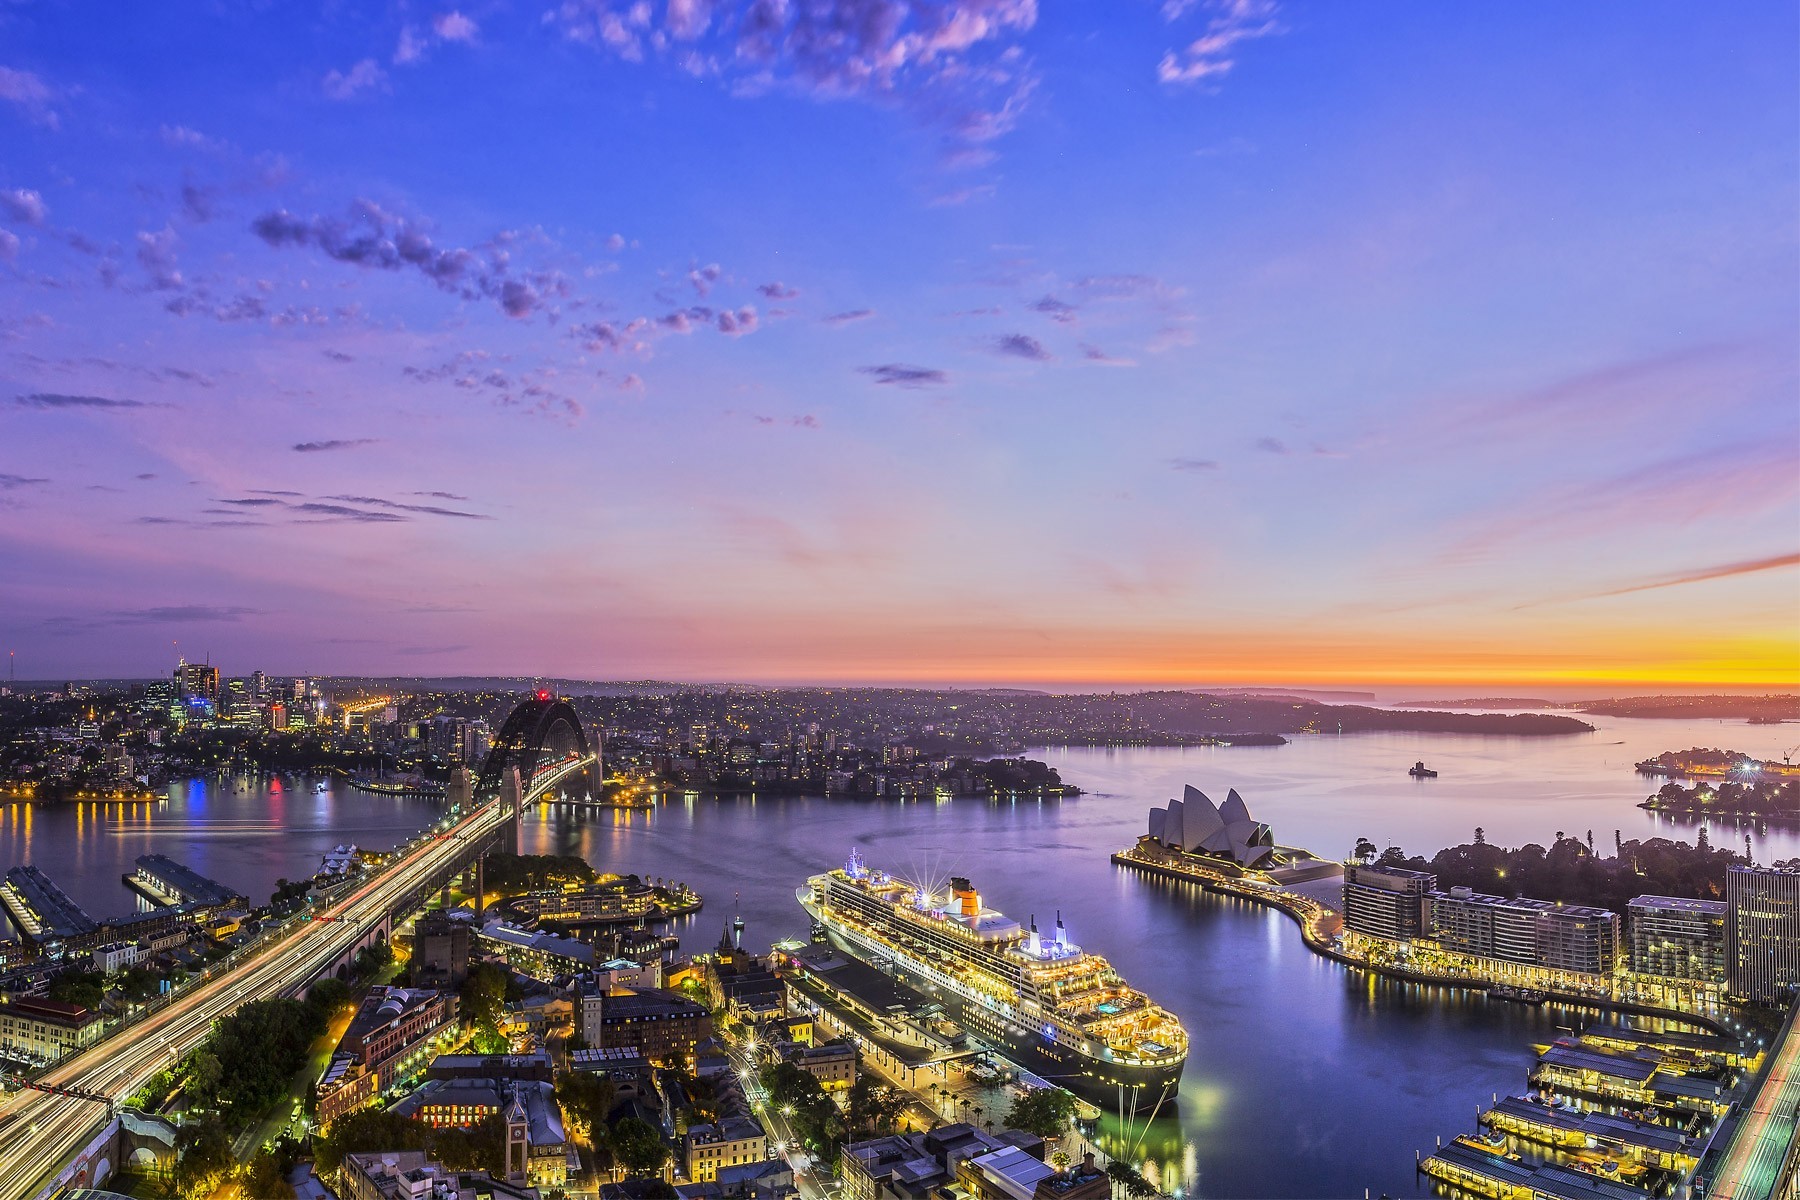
point(512, 802)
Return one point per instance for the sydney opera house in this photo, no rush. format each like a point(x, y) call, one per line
point(1195, 825)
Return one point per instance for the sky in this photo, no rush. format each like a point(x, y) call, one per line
point(892, 340)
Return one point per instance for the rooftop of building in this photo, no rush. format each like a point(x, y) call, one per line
point(1542, 1178)
point(643, 1002)
point(1716, 908)
point(1636, 1068)
point(384, 1006)
point(186, 880)
point(1663, 1139)
point(54, 1012)
point(498, 1065)
point(1396, 872)
point(544, 943)
point(1525, 903)
point(726, 1129)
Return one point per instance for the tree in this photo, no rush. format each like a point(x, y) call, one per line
point(637, 1147)
point(79, 987)
point(587, 1098)
point(1365, 850)
point(206, 1158)
point(1043, 1111)
point(203, 1075)
point(1129, 1179)
point(264, 1178)
point(1480, 836)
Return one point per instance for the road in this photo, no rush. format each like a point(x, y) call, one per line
point(1765, 1130)
point(40, 1131)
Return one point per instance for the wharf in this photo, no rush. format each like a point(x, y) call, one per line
point(162, 880)
point(1665, 1146)
point(1475, 1168)
point(41, 910)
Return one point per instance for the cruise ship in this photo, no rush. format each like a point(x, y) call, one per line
point(1063, 1013)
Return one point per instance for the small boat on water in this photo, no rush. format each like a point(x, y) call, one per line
point(1421, 771)
point(1519, 995)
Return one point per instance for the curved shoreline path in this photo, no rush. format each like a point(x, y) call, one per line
point(1319, 923)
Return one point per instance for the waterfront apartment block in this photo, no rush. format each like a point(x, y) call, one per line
point(1675, 940)
point(1388, 902)
point(1512, 939)
point(1763, 933)
point(45, 1030)
point(1536, 933)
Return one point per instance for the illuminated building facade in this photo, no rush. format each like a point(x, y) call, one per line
point(1674, 940)
point(1763, 933)
point(1388, 902)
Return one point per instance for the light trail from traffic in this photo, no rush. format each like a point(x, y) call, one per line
point(39, 1130)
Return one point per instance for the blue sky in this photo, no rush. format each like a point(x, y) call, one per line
point(869, 339)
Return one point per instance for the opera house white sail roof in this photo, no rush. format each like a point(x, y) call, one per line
point(1195, 825)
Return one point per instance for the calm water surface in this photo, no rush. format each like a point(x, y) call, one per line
point(1304, 1079)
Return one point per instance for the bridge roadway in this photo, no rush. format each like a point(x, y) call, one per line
point(40, 1131)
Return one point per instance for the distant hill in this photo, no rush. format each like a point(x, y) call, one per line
point(1485, 702)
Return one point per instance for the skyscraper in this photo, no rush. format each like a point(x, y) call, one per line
point(1763, 937)
point(198, 680)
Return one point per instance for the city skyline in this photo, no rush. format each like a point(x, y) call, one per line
point(1239, 343)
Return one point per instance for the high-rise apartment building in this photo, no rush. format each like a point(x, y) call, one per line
point(1763, 933)
point(1388, 902)
point(1537, 933)
point(1677, 938)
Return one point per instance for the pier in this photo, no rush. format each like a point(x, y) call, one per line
point(41, 910)
point(162, 880)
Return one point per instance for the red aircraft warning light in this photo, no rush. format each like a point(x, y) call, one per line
point(543, 693)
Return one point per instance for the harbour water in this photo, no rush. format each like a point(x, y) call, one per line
point(1305, 1079)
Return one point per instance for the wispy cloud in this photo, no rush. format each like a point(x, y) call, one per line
point(1753, 566)
point(850, 317)
point(1193, 464)
point(428, 509)
point(23, 206)
point(956, 64)
point(333, 444)
point(1726, 481)
point(901, 375)
point(180, 614)
point(1021, 345)
point(1095, 356)
point(1213, 53)
point(361, 79)
point(52, 400)
point(30, 93)
point(373, 238)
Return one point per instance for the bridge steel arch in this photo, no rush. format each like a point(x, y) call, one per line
point(538, 732)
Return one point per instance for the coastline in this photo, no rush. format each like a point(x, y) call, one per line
point(1309, 915)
